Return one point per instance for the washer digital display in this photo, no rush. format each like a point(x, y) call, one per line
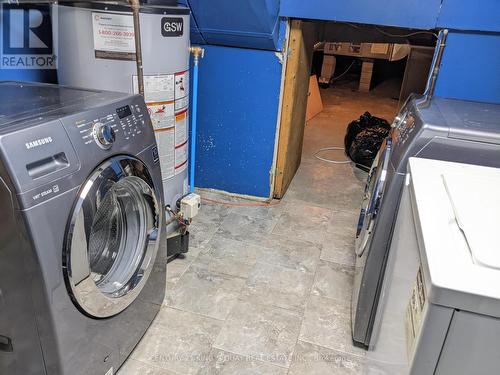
point(124, 111)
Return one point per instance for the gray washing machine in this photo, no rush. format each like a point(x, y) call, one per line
point(82, 244)
point(443, 129)
point(439, 310)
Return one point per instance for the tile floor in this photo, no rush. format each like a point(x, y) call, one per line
point(266, 290)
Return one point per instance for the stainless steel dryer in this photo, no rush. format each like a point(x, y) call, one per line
point(82, 246)
point(443, 129)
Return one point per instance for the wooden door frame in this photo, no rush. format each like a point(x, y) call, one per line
point(302, 37)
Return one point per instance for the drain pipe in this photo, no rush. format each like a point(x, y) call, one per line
point(136, 6)
point(435, 67)
point(197, 53)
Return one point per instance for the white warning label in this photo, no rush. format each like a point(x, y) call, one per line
point(181, 103)
point(181, 141)
point(113, 35)
point(157, 88)
point(162, 115)
point(165, 139)
point(181, 154)
point(167, 99)
point(181, 128)
point(181, 85)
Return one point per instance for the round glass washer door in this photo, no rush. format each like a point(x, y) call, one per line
point(112, 238)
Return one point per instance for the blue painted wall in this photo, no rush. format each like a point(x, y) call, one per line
point(243, 23)
point(478, 15)
point(470, 67)
point(483, 15)
point(238, 97)
point(404, 13)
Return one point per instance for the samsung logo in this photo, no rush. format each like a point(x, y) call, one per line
point(38, 142)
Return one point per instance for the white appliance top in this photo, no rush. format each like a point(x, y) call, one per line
point(457, 207)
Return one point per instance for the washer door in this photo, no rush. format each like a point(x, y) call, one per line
point(374, 192)
point(112, 238)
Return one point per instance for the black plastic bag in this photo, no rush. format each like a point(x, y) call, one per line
point(363, 139)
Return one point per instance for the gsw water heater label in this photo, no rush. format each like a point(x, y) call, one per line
point(172, 26)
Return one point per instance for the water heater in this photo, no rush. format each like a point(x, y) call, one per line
point(96, 50)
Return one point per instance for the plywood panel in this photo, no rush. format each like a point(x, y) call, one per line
point(296, 87)
point(314, 102)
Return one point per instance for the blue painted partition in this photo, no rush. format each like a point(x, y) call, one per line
point(239, 91)
point(242, 23)
point(420, 14)
point(482, 15)
point(470, 67)
point(196, 37)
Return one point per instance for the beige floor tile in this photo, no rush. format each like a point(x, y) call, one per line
point(290, 252)
point(338, 247)
point(304, 222)
point(278, 286)
point(327, 323)
point(178, 341)
point(134, 367)
point(229, 257)
point(244, 227)
point(225, 363)
point(204, 292)
point(312, 359)
point(266, 333)
point(334, 281)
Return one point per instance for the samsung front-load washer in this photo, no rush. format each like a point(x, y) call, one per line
point(82, 247)
point(443, 129)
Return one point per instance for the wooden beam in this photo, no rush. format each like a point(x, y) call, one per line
point(293, 112)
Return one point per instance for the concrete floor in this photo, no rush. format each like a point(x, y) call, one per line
point(266, 290)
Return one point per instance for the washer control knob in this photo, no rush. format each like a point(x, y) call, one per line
point(104, 135)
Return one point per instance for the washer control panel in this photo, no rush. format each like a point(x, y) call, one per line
point(125, 123)
point(405, 128)
point(104, 135)
point(57, 146)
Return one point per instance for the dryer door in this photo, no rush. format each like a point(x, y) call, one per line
point(112, 237)
point(373, 196)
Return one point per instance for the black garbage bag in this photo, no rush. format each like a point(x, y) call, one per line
point(363, 139)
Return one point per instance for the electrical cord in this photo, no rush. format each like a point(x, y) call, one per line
point(242, 204)
point(362, 166)
point(330, 160)
point(394, 35)
point(344, 72)
point(176, 217)
point(404, 35)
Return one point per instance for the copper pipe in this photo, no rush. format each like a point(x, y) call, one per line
point(197, 52)
point(136, 6)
